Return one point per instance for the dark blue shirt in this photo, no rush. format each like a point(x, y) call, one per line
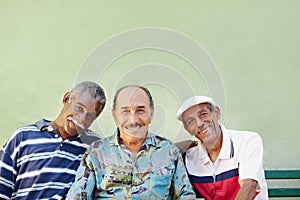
point(36, 163)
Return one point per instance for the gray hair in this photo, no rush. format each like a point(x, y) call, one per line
point(211, 107)
point(93, 89)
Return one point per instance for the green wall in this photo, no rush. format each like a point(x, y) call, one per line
point(253, 47)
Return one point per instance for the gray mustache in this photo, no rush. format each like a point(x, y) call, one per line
point(76, 122)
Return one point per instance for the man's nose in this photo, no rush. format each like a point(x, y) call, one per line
point(133, 117)
point(199, 122)
point(81, 117)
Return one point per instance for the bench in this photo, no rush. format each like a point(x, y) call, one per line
point(283, 176)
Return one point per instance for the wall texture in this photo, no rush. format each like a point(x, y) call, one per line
point(251, 47)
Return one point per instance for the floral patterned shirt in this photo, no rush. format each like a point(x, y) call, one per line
point(109, 170)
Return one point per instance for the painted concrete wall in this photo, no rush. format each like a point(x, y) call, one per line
point(243, 53)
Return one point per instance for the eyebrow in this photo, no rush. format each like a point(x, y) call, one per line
point(127, 107)
point(203, 110)
point(81, 104)
point(198, 111)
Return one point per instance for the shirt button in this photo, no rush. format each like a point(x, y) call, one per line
point(56, 135)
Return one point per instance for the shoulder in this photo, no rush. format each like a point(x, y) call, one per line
point(160, 141)
point(21, 135)
point(102, 143)
point(160, 138)
point(243, 135)
point(100, 148)
point(89, 136)
point(246, 140)
point(24, 131)
point(28, 128)
point(165, 145)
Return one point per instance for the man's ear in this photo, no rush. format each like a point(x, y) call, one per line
point(67, 98)
point(151, 116)
point(218, 112)
point(185, 127)
point(114, 116)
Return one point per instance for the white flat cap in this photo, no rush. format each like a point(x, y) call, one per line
point(195, 100)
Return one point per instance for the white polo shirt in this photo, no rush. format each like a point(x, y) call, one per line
point(241, 157)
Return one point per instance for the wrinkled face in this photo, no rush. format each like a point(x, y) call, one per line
point(199, 121)
point(132, 113)
point(79, 112)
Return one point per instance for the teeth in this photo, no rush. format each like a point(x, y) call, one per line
point(204, 131)
point(133, 128)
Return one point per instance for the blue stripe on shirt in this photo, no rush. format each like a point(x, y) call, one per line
point(219, 177)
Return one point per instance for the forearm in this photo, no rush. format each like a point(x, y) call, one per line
point(7, 177)
point(247, 190)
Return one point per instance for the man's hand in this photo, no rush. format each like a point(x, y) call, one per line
point(183, 146)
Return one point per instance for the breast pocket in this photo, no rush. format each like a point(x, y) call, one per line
point(114, 176)
point(155, 182)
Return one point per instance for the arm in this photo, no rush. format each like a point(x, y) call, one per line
point(247, 190)
point(8, 171)
point(250, 168)
point(84, 183)
point(182, 187)
point(6, 175)
point(183, 146)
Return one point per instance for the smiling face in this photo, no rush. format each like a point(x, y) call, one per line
point(202, 122)
point(79, 112)
point(132, 113)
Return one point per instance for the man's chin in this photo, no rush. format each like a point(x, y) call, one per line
point(74, 132)
point(141, 133)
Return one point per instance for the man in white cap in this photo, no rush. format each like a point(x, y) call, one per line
point(226, 164)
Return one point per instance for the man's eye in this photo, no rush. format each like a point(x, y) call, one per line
point(78, 108)
point(190, 122)
point(140, 111)
point(203, 114)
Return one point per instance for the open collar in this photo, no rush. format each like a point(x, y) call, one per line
point(227, 149)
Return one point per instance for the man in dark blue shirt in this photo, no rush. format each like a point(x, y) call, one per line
point(40, 160)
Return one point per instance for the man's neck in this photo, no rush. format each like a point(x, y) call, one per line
point(214, 150)
point(134, 144)
point(58, 128)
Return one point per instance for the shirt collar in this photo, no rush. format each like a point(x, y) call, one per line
point(150, 140)
point(227, 149)
point(43, 126)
